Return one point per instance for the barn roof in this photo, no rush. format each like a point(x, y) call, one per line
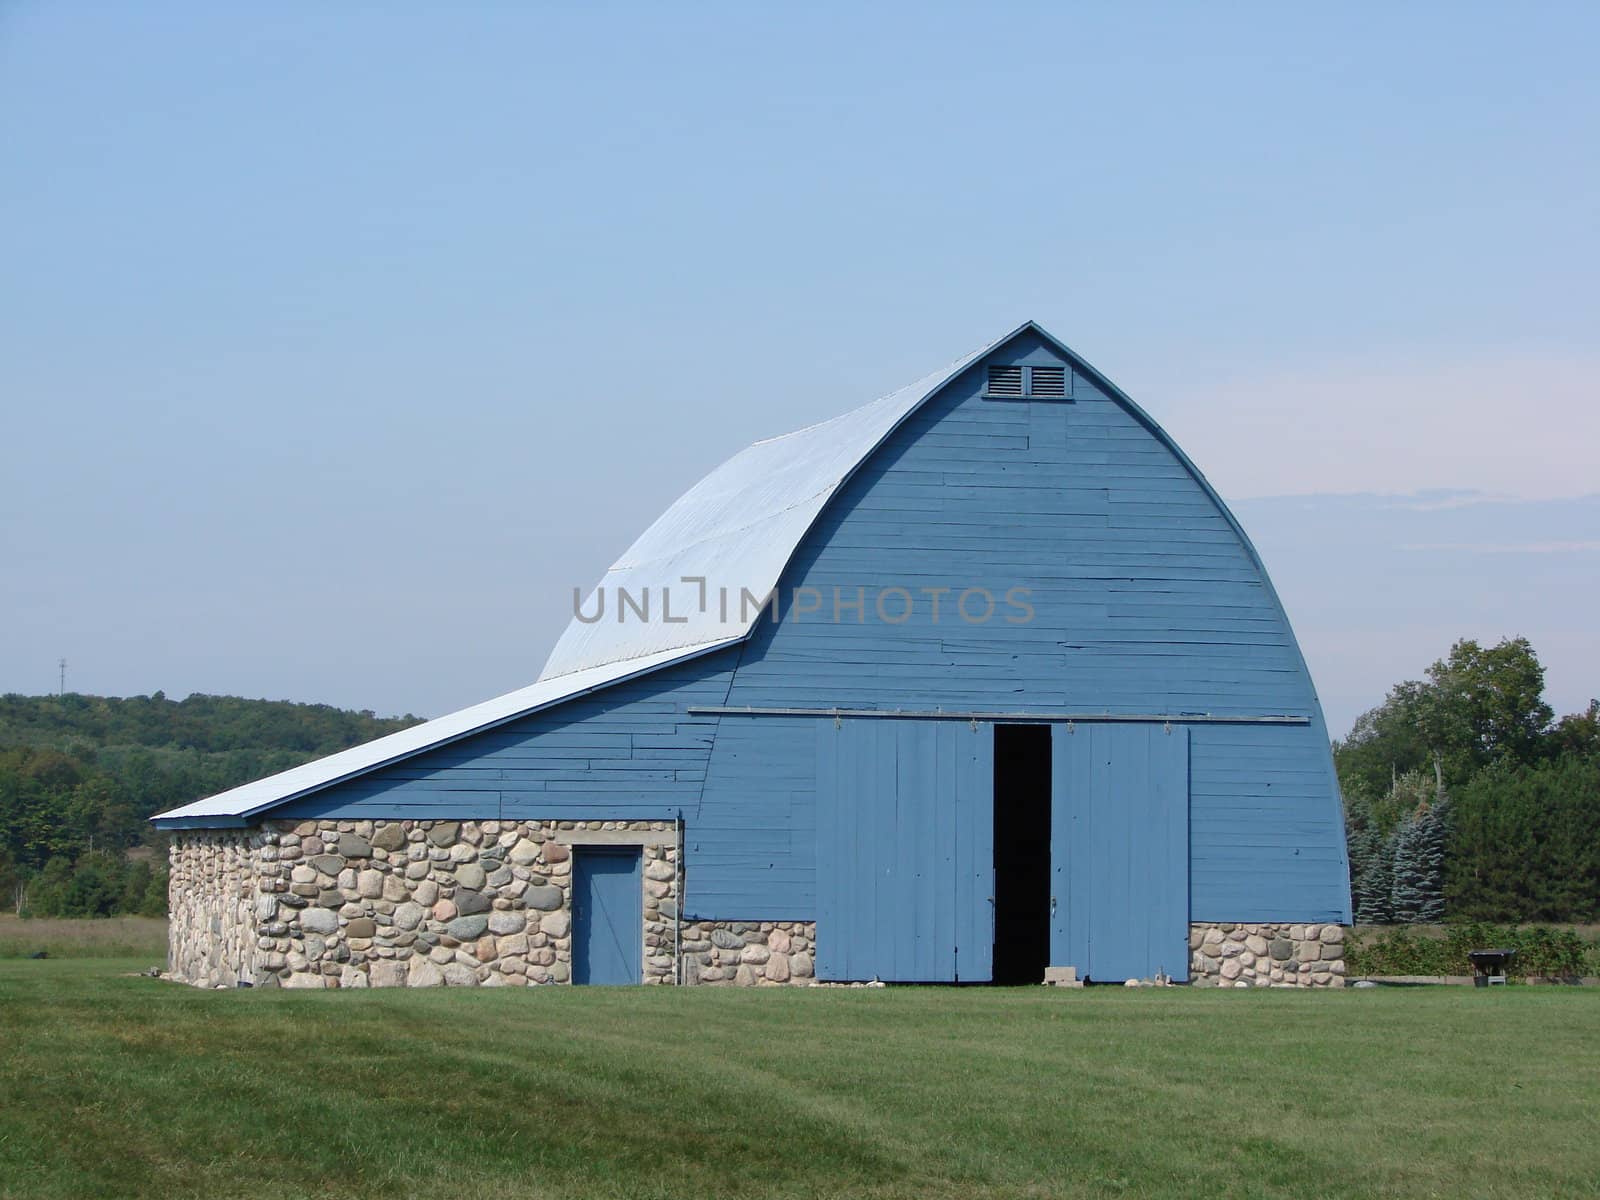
point(737, 528)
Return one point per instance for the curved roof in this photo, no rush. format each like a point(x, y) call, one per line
point(735, 531)
point(737, 528)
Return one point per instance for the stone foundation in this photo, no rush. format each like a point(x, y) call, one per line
point(749, 953)
point(322, 904)
point(1233, 955)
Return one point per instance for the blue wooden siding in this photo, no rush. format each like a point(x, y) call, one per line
point(630, 752)
point(1120, 851)
point(1145, 600)
point(905, 853)
point(751, 844)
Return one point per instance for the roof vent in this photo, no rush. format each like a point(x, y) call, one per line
point(1049, 383)
point(1027, 383)
point(1005, 381)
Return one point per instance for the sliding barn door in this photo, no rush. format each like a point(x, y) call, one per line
point(905, 850)
point(1120, 850)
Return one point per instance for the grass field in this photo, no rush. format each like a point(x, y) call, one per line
point(115, 1085)
point(109, 937)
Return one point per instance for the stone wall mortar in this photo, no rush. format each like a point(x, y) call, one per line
point(1226, 954)
point(749, 953)
point(325, 904)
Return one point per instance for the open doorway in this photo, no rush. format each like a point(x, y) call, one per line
point(1021, 853)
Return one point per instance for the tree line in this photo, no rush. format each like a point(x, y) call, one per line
point(80, 776)
point(1465, 799)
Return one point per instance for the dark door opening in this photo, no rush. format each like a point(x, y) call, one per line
point(1021, 853)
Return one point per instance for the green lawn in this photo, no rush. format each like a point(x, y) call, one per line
point(114, 1085)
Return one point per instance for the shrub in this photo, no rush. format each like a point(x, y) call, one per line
point(1541, 950)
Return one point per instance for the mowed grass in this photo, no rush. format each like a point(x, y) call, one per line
point(109, 937)
point(115, 1085)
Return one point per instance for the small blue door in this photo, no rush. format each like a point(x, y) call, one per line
point(607, 915)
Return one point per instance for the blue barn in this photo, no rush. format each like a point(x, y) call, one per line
point(980, 682)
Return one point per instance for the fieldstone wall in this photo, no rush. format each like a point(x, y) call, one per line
point(749, 953)
point(212, 902)
point(325, 904)
point(1234, 955)
point(322, 904)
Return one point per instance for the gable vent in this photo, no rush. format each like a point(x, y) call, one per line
point(1005, 381)
point(1049, 382)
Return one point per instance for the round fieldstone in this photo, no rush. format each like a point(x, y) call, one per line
point(555, 924)
point(471, 875)
point(389, 836)
point(467, 929)
point(353, 845)
point(362, 927)
point(545, 898)
point(724, 939)
point(424, 974)
point(319, 920)
point(1281, 949)
point(469, 902)
point(444, 832)
point(506, 923)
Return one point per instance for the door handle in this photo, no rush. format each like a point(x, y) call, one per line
point(1052, 906)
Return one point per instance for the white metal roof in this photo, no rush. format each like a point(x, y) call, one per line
point(737, 529)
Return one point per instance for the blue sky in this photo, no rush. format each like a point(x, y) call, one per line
point(338, 343)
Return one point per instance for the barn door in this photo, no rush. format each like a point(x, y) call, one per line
point(607, 914)
point(905, 850)
point(1120, 850)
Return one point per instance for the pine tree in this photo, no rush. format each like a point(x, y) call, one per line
point(1406, 894)
point(1371, 877)
point(1418, 858)
point(1431, 834)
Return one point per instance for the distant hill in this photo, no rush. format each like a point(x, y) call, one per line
point(80, 775)
point(204, 723)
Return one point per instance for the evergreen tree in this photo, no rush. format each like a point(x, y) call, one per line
point(1405, 896)
point(1371, 877)
point(1430, 836)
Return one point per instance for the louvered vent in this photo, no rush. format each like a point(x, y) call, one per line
point(1005, 381)
point(1049, 382)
